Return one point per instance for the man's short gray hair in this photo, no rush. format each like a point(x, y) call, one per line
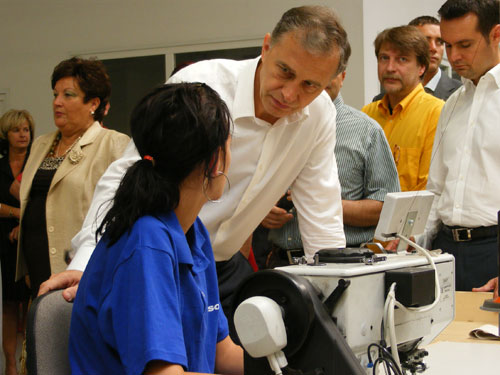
point(319, 30)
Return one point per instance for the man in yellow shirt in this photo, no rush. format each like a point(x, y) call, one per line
point(407, 114)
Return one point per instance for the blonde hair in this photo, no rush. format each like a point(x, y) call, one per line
point(13, 118)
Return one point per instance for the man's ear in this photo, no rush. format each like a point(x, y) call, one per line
point(266, 46)
point(421, 71)
point(495, 35)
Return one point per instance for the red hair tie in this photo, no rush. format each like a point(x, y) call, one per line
point(150, 158)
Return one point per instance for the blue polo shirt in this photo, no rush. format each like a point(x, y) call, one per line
point(152, 295)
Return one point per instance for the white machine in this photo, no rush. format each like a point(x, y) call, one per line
point(397, 301)
point(360, 309)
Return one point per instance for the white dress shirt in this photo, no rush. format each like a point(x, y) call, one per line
point(296, 151)
point(432, 84)
point(465, 165)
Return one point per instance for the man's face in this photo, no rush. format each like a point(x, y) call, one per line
point(436, 45)
point(289, 77)
point(469, 53)
point(399, 72)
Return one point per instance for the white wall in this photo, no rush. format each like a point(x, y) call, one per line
point(36, 35)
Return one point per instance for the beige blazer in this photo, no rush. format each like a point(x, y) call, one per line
point(71, 189)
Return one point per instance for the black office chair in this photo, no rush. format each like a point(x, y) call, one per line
point(47, 335)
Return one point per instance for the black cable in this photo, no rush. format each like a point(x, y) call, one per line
point(384, 355)
point(392, 366)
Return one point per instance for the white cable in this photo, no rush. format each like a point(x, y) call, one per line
point(390, 324)
point(391, 302)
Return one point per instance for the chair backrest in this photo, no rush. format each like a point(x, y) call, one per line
point(47, 335)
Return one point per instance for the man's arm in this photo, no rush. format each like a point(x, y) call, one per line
point(316, 193)
point(68, 279)
point(427, 151)
point(380, 178)
point(362, 213)
point(436, 179)
point(85, 241)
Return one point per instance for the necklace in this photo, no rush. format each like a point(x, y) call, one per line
point(52, 151)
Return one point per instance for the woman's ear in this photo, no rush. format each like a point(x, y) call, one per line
point(215, 165)
point(94, 102)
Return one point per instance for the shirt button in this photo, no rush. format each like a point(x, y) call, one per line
point(53, 251)
point(51, 229)
point(457, 206)
point(461, 178)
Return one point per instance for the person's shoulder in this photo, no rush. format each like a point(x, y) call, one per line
point(41, 141)
point(323, 106)
point(452, 99)
point(370, 107)
point(211, 71)
point(429, 102)
point(359, 122)
point(44, 137)
point(157, 232)
point(378, 97)
point(115, 137)
point(449, 83)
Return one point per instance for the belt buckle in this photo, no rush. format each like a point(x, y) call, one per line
point(291, 258)
point(457, 234)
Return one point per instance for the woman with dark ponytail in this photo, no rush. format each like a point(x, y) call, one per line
point(148, 300)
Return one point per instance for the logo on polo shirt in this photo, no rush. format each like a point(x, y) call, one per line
point(213, 308)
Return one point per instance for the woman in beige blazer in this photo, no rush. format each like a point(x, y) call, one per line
point(64, 167)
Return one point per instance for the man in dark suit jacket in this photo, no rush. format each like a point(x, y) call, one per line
point(435, 81)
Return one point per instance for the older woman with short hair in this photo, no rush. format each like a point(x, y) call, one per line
point(16, 135)
point(64, 167)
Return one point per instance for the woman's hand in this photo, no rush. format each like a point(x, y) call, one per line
point(14, 189)
point(14, 234)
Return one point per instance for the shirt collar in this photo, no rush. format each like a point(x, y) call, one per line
point(244, 105)
point(383, 106)
point(432, 84)
point(189, 247)
point(91, 134)
point(492, 75)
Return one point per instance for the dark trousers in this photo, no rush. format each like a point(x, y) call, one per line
point(476, 261)
point(230, 274)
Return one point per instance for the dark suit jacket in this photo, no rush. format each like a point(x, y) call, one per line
point(445, 87)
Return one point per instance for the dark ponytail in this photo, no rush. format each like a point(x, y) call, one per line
point(179, 127)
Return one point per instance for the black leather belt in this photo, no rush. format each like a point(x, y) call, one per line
point(460, 234)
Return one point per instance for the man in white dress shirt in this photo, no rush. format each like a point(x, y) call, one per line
point(465, 167)
point(284, 135)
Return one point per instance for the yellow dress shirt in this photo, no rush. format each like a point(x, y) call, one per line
point(410, 132)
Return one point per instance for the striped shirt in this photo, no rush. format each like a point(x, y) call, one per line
point(366, 171)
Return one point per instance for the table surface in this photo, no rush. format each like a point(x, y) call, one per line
point(469, 316)
point(454, 351)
